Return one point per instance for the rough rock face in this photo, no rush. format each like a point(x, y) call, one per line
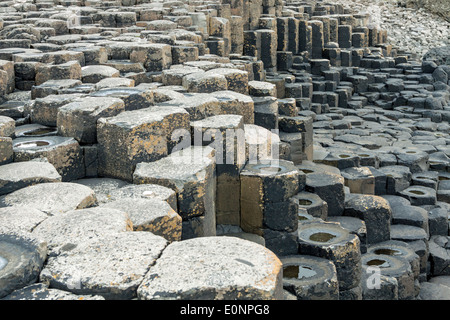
point(439, 7)
point(439, 55)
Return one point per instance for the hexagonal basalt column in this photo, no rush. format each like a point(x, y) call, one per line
point(105, 266)
point(391, 267)
point(78, 119)
point(63, 153)
point(376, 213)
point(310, 278)
point(331, 241)
point(190, 173)
point(153, 215)
point(330, 188)
point(264, 187)
point(137, 136)
point(214, 268)
point(224, 133)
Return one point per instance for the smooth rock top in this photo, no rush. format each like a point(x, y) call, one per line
point(52, 198)
point(214, 268)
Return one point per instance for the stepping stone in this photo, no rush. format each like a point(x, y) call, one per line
point(95, 73)
point(419, 196)
point(102, 187)
point(210, 268)
point(411, 215)
point(398, 249)
point(146, 135)
point(266, 189)
point(78, 119)
point(407, 233)
point(330, 241)
point(63, 153)
point(144, 191)
point(191, 174)
point(44, 110)
point(310, 278)
point(39, 291)
point(391, 267)
point(51, 198)
point(433, 291)
point(151, 215)
point(17, 175)
point(117, 82)
point(134, 98)
point(105, 266)
point(440, 255)
point(20, 219)
point(65, 230)
point(311, 204)
point(355, 226)
point(330, 188)
point(21, 260)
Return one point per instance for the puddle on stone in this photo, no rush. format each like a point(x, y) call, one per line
point(304, 202)
point(270, 169)
point(3, 262)
point(443, 178)
point(306, 171)
point(344, 156)
point(411, 152)
point(420, 193)
point(31, 144)
point(39, 132)
point(321, 237)
point(364, 155)
point(388, 252)
point(298, 272)
point(302, 218)
point(379, 263)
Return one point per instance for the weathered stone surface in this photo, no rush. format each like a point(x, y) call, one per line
point(376, 213)
point(78, 119)
point(67, 229)
point(20, 219)
point(151, 215)
point(52, 198)
point(19, 175)
point(146, 135)
point(214, 268)
point(63, 153)
point(40, 291)
point(22, 258)
point(105, 266)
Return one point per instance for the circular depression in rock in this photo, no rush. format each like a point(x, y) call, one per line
point(270, 168)
point(305, 202)
point(298, 272)
point(378, 263)
point(388, 252)
point(417, 192)
point(322, 237)
point(39, 132)
point(31, 144)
